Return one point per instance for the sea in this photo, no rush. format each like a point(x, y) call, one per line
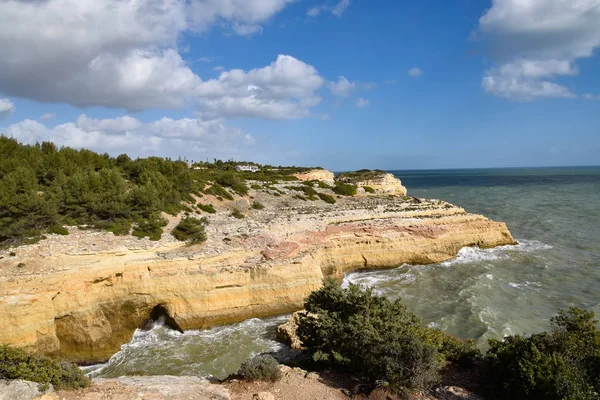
point(553, 213)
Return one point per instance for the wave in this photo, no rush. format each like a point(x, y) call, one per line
point(212, 352)
point(469, 255)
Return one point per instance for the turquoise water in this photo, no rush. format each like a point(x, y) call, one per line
point(554, 214)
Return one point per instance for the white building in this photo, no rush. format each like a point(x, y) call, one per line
point(247, 168)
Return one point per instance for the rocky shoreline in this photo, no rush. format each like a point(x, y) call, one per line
point(81, 296)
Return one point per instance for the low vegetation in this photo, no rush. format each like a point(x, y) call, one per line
point(237, 213)
point(370, 336)
point(260, 368)
point(563, 363)
point(209, 208)
point(382, 343)
point(326, 198)
point(368, 189)
point(44, 189)
point(18, 364)
point(257, 205)
point(191, 230)
point(360, 175)
point(345, 189)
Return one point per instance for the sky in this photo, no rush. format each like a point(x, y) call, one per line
point(343, 84)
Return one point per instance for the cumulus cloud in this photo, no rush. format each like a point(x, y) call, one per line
point(285, 89)
point(191, 136)
point(6, 108)
point(243, 16)
point(537, 41)
point(112, 53)
point(47, 116)
point(343, 87)
point(335, 8)
point(361, 103)
point(415, 72)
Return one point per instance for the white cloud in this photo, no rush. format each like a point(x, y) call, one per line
point(285, 89)
point(219, 68)
point(244, 16)
point(415, 72)
point(335, 8)
point(536, 41)
point(190, 136)
point(361, 103)
point(343, 87)
point(591, 97)
point(6, 108)
point(113, 53)
point(47, 116)
point(527, 79)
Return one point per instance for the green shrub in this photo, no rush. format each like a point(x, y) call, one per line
point(260, 368)
point(151, 228)
point(191, 229)
point(276, 194)
point(323, 185)
point(377, 339)
point(256, 186)
point(18, 364)
point(240, 189)
point(237, 214)
point(300, 197)
point(326, 198)
point(563, 363)
point(119, 227)
point(368, 189)
point(257, 205)
point(58, 229)
point(219, 191)
point(344, 189)
point(209, 208)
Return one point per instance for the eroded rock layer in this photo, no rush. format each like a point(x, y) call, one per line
point(81, 296)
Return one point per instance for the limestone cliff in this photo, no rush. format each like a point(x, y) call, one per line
point(316, 175)
point(381, 182)
point(83, 295)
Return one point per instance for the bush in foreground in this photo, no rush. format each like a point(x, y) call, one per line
point(563, 363)
point(191, 229)
point(18, 364)
point(368, 335)
point(260, 368)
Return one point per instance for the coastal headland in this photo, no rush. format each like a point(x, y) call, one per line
point(82, 295)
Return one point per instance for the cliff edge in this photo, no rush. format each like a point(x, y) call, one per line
point(81, 296)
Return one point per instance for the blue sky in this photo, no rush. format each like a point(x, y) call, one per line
point(345, 84)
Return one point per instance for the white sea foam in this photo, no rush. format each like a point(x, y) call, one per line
point(469, 255)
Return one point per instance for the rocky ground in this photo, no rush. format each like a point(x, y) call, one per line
point(295, 384)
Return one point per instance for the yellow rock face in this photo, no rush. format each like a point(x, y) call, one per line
point(84, 305)
point(316, 175)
